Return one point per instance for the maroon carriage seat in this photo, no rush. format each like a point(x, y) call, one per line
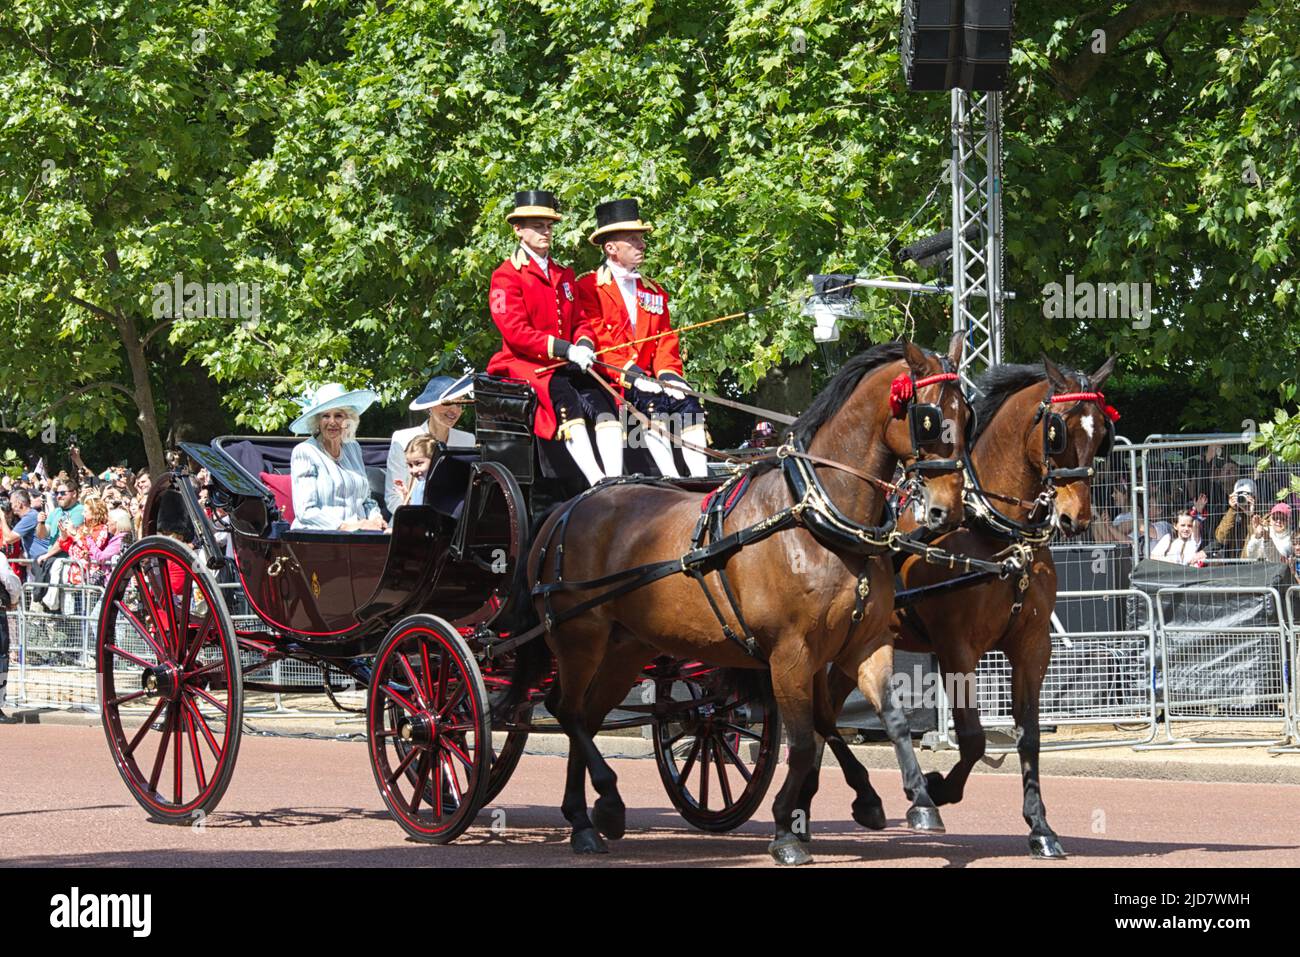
point(281, 487)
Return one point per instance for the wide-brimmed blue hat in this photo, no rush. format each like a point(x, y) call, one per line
point(442, 390)
point(331, 396)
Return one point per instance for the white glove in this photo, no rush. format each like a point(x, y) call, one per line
point(647, 385)
point(673, 393)
point(581, 356)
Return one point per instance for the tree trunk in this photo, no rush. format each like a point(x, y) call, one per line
point(142, 389)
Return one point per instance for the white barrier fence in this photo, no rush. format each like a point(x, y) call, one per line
point(1234, 677)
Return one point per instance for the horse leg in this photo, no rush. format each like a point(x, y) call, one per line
point(792, 685)
point(578, 655)
point(1029, 658)
point(625, 659)
point(949, 788)
point(874, 674)
point(833, 689)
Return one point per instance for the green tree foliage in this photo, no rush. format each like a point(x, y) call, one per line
point(124, 125)
point(355, 161)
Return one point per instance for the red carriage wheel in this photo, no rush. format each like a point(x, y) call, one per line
point(171, 688)
point(716, 745)
point(429, 729)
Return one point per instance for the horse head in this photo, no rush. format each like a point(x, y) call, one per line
point(1074, 432)
point(927, 430)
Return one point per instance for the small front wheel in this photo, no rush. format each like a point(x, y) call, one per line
point(716, 739)
point(429, 729)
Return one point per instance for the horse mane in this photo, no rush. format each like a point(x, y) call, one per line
point(837, 392)
point(1001, 382)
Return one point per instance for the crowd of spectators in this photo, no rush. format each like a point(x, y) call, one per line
point(1201, 509)
point(69, 528)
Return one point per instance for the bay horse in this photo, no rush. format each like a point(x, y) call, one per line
point(800, 605)
point(1021, 450)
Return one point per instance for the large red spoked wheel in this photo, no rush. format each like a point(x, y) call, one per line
point(716, 744)
point(429, 729)
point(171, 692)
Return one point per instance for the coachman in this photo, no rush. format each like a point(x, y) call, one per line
point(628, 313)
point(533, 301)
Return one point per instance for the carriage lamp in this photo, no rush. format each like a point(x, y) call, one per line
point(831, 301)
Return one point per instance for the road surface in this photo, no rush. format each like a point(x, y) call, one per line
point(313, 803)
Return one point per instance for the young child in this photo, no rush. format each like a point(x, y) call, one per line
point(419, 458)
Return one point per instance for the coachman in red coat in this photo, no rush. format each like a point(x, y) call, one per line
point(533, 301)
point(628, 313)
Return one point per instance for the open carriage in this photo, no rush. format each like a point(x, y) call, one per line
point(415, 615)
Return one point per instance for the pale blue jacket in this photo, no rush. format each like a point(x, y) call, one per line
point(327, 493)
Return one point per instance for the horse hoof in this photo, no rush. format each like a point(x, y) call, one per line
point(925, 819)
point(587, 841)
point(789, 851)
point(610, 817)
point(1045, 846)
point(872, 817)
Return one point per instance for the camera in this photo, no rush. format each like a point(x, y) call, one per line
point(72, 441)
point(4, 502)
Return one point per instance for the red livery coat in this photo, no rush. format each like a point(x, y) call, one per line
point(532, 312)
point(605, 312)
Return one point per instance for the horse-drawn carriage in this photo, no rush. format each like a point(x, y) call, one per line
point(416, 615)
point(788, 578)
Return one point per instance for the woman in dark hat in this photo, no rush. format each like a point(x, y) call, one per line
point(534, 304)
point(443, 397)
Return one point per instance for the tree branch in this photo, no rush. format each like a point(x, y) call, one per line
point(158, 328)
point(1073, 73)
point(82, 390)
point(89, 306)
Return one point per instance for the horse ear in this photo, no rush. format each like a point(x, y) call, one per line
point(1102, 374)
point(957, 347)
point(915, 357)
point(1054, 375)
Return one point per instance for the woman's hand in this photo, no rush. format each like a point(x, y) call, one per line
point(375, 524)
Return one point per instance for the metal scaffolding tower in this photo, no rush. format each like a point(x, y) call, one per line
point(978, 296)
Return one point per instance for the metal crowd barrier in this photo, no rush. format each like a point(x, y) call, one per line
point(55, 650)
point(1291, 609)
point(1103, 670)
point(1224, 675)
point(1096, 677)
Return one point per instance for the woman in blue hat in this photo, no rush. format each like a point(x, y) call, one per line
point(330, 488)
point(442, 397)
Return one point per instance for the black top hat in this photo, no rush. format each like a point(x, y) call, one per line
point(534, 204)
point(616, 216)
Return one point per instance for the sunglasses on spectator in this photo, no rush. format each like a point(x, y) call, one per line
point(62, 491)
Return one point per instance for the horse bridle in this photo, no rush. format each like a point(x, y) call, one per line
point(925, 421)
point(1056, 438)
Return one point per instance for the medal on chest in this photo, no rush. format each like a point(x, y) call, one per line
point(568, 293)
point(651, 302)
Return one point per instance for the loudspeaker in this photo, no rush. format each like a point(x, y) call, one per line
point(986, 45)
point(930, 43)
point(965, 44)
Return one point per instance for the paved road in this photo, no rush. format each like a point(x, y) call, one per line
point(313, 803)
